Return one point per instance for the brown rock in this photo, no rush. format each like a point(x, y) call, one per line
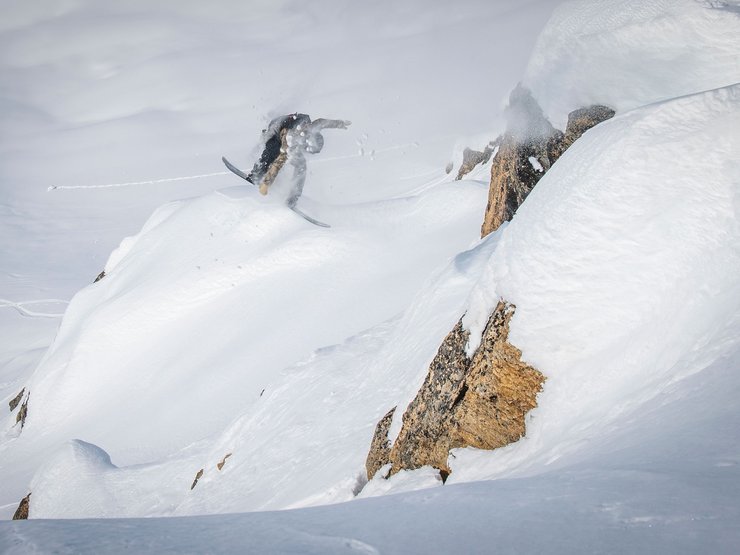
point(471, 158)
point(380, 447)
point(499, 391)
point(528, 149)
point(423, 439)
point(23, 412)
point(221, 464)
point(21, 513)
point(198, 476)
point(580, 121)
point(529, 136)
point(15, 400)
point(480, 402)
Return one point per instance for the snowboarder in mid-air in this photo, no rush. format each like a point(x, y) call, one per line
point(287, 139)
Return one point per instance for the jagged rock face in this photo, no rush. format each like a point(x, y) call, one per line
point(472, 158)
point(23, 412)
point(526, 152)
point(480, 401)
point(380, 447)
point(580, 121)
point(424, 438)
point(530, 146)
point(198, 476)
point(483, 401)
point(13, 403)
point(21, 513)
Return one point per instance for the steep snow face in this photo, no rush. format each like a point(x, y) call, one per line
point(124, 107)
point(630, 53)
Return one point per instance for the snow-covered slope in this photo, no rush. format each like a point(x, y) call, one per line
point(623, 267)
point(630, 53)
point(198, 314)
point(126, 107)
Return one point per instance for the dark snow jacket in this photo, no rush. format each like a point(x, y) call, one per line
point(272, 138)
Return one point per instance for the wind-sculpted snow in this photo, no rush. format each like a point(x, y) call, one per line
point(623, 266)
point(630, 53)
point(197, 314)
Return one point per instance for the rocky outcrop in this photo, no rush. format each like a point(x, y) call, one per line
point(21, 513)
point(472, 158)
point(13, 403)
point(580, 121)
point(530, 146)
point(23, 412)
point(482, 401)
point(380, 446)
point(478, 402)
point(198, 476)
point(222, 462)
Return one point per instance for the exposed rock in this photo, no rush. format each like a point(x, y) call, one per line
point(23, 412)
point(529, 136)
point(21, 513)
point(15, 400)
point(221, 464)
point(380, 447)
point(101, 275)
point(423, 439)
point(530, 146)
point(198, 476)
point(499, 390)
point(471, 158)
point(480, 402)
point(580, 121)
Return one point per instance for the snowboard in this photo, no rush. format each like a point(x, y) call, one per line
point(236, 171)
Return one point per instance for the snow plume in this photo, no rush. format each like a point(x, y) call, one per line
point(525, 120)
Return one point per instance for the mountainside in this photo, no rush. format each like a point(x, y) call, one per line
point(234, 358)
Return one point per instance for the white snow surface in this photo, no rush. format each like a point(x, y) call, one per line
point(629, 53)
point(229, 330)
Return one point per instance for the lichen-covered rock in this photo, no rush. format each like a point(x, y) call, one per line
point(530, 146)
point(423, 439)
point(479, 402)
point(21, 513)
point(380, 446)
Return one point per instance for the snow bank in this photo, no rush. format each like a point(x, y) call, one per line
point(197, 317)
point(629, 53)
point(623, 266)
